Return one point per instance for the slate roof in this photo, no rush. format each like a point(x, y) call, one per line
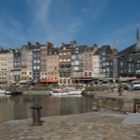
point(127, 51)
point(105, 48)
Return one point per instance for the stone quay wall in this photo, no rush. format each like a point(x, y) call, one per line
point(112, 101)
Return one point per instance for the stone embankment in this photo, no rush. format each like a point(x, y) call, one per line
point(128, 102)
point(36, 92)
point(85, 126)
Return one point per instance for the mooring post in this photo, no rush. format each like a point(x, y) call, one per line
point(137, 107)
point(36, 115)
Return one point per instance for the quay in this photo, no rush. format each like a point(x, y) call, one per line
point(96, 125)
point(129, 102)
point(87, 126)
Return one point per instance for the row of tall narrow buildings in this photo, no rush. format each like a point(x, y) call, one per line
point(68, 64)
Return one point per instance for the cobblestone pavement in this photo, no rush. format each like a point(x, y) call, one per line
point(86, 126)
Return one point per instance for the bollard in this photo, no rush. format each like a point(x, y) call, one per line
point(36, 115)
point(137, 107)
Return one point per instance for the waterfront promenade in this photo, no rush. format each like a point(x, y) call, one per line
point(100, 125)
point(86, 126)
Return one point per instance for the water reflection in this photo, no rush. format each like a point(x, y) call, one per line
point(20, 107)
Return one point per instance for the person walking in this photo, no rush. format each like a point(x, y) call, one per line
point(120, 89)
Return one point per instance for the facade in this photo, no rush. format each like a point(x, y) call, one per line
point(17, 65)
point(44, 51)
point(77, 64)
point(10, 65)
point(6, 65)
point(65, 64)
point(130, 66)
point(103, 53)
point(95, 66)
point(71, 63)
point(3, 68)
point(26, 62)
point(53, 66)
point(87, 58)
point(115, 67)
point(43, 64)
point(36, 62)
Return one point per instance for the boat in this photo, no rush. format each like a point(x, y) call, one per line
point(58, 92)
point(13, 93)
point(2, 91)
point(66, 91)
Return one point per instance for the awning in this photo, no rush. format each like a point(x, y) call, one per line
point(123, 79)
point(105, 79)
point(3, 81)
point(52, 81)
point(24, 81)
point(43, 81)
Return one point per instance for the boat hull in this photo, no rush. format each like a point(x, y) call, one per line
point(66, 93)
point(13, 93)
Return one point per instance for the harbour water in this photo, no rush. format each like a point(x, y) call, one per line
point(19, 107)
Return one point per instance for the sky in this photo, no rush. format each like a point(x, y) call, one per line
point(88, 22)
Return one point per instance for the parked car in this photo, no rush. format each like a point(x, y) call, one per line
point(136, 84)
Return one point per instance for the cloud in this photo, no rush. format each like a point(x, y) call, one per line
point(11, 32)
point(122, 35)
point(40, 9)
point(49, 20)
point(49, 25)
point(94, 9)
point(60, 21)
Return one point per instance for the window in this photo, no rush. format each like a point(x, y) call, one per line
point(73, 56)
point(34, 67)
point(90, 73)
point(76, 68)
point(121, 63)
point(76, 62)
point(103, 53)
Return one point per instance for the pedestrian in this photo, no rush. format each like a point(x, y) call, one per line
point(120, 89)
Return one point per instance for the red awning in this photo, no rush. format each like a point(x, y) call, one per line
point(52, 81)
point(43, 81)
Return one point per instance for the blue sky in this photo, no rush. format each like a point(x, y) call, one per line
point(86, 21)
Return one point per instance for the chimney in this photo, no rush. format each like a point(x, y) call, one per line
point(94, 48)
point(29, 43)
point(37, 44)
point(49, 46)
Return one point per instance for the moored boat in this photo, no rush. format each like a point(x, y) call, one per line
point(2, 91)
point(67, 91)
point(13, 93)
